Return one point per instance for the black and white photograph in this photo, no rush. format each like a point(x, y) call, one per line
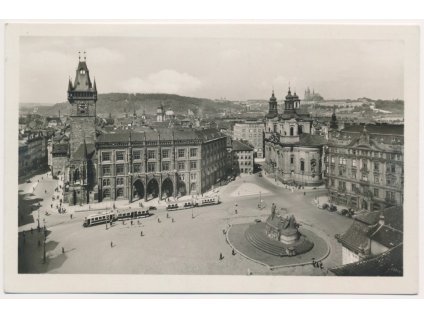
point(257, 152)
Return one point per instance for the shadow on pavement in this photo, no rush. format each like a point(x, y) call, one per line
point(26, 204)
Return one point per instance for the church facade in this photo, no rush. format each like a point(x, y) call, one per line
point(136, 163)
point(294, 152)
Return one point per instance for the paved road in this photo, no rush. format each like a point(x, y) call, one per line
point(186, 246)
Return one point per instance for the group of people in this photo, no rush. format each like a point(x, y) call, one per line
point(317, 264)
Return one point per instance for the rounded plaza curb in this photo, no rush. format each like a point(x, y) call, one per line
point(321, 235)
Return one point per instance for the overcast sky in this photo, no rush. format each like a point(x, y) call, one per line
point(236, 69)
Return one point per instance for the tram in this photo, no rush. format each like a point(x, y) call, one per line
point(194, 203)
point(112, 216)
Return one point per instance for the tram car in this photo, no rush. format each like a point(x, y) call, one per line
point(207, 201)
point(180, 206)
point(126, 215)
point(99, 218)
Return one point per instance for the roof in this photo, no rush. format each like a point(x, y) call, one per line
point(389, 263)
point(386, 129)
point(160, 133)
point(311, 140)
point(241, 146)
point(393, 217)
point(356, 238)
point(388, 236)
point(369, 218)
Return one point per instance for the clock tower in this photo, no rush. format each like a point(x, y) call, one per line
point(82, 95)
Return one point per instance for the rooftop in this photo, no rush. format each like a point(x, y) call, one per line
point(389, 263)
point(241, 146)
point(385, 129)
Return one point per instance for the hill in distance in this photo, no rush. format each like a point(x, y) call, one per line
point(119, 103)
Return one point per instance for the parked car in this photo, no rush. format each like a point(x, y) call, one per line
point(152, 208)
point(260, 174)
point(28, 181)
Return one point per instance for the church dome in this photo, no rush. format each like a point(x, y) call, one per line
point(273, 99)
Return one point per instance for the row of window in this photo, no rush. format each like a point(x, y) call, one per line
point(151, 154)
point(151, 167)
point(390, 180)
point(364, 164)
point(243, 163)
point(354, 188)
point(120, 181)
point(376, 154)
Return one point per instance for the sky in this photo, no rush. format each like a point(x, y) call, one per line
point(231, 68)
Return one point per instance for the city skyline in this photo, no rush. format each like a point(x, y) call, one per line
point(214, 68)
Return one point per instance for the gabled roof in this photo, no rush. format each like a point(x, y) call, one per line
point(369, 218)
point(389, 263)
point(356, 238)
point(388, 236)
point(241, 146)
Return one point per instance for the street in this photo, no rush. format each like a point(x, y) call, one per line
point(190, 245)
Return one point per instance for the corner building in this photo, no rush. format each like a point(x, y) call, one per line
point(365, 166)
point(293, 153)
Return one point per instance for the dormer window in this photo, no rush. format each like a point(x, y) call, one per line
point(82, 71)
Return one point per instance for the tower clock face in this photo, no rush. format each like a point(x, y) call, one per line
point(82, 108)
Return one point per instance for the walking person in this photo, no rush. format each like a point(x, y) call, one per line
point(141, 233)
point(233, 252)
point(111, 244)
point(221, 257)
point(63, 250)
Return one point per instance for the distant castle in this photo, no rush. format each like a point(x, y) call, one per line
point(312, 96)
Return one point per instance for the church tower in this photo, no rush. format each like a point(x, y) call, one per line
point(272, 110)
point(291, 103)
point(82, 95)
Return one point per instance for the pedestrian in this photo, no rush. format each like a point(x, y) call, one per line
point(304, 193)
point(70, 216)
point(224, 232)
point(158, 220)
point(236, 211)
point(173, 220)
point(45, 191)
point(221, 257)
point(63, 250)
point(141, 233)
point(321, 266)
point(167, 215)
point(111, 244)
point(131, 222)
point(51, 205)
point(233, 252)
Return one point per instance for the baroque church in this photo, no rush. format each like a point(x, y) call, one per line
point(294, 151)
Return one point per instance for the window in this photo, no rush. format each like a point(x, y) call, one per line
point(106, 182)
point(192, 176)
point(300, 129)
point(332, 182)
point(181, 153)
point(332, 160)
point(353, 187)
point(291, 159)
point(106, 193)
point(137, 167)
point(151, 154)
point(193, 165)
point(354, 163)
point(302, 165)
point(393, 168)
point(105, 156)
point(193, 152)
point(119, 155)
point(181, 165)
point(151, 166)
point(376, 179)
point(136, 154)
point(165, 153)
point(376, 193)
point(340, 172)
point(165, 165)
point(120, 193)
point(106, 170)
point(376, 166)
point(119, 181)
point(119, 169)
point(291, 131)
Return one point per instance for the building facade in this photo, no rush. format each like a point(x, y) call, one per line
point(293, 154)
point(252, 131)
point(242, 157)
point(365, 166)
point(159, 163)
